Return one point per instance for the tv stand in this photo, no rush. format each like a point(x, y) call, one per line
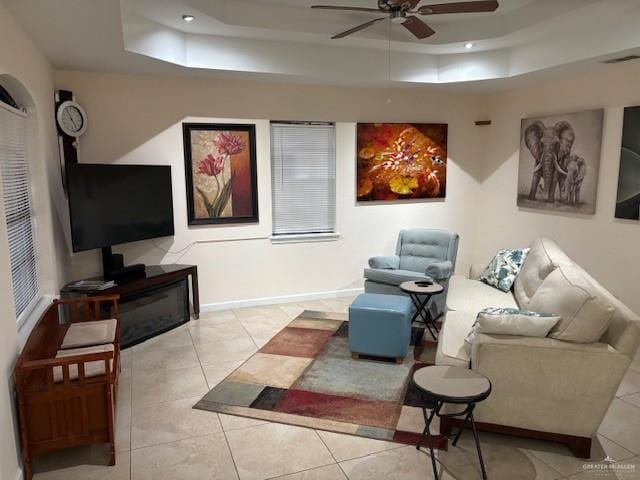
point(151, 303)
point(113, 266)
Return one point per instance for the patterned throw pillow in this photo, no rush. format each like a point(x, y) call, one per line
point(512, 321)
point(504, 268)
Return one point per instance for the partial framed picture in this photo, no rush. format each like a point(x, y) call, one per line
point(628, 199)
point(559, 162)
point(401, 161)
point(221, 176)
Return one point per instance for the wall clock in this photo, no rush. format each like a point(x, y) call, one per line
point(71, 118)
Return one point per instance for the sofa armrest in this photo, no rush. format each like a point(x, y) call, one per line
point(547, 385)
point(440, 270)
point(476, 270)
point(390, 262)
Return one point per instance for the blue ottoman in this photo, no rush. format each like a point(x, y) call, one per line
point(380, 325)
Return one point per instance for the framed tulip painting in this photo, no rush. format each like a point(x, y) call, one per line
point(220, 168)
point(397, 161)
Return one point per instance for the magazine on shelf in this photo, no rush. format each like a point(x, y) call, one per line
point(91, 285)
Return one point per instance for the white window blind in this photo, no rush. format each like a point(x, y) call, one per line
point(303, 168)
point(17, 207)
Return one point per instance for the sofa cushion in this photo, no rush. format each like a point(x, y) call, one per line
point(85, 334)
point(504, 268)
point(567, 292)
point(543, 257)
point(473, 295)
point(392, 277)
point(91, 369)
point(512, 321)
point(452, 349)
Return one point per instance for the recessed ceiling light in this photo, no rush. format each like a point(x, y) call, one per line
point(188, 18)
point(469, 45)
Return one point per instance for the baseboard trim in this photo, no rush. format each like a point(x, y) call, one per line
point(298, 297)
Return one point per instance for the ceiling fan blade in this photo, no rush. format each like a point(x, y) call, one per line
point(459, 7)
point(418, 27)
point(358, 28)
point(348, 9)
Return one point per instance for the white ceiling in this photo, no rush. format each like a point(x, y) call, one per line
point(276, 39)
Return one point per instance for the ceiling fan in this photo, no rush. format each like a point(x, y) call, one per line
point(403, 12)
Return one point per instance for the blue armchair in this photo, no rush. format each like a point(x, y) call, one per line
point(420, 253)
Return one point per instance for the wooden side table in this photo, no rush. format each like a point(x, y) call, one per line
point(420, 296)
point(442, 384)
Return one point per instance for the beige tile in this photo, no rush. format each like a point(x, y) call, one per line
point(561, 459)
point(205, 457)
point(171, 421)
point(166, 385)
point(622, 425)
point(259, 314)
point(123, 427)
point(273, 370)
point(274, 449)
point(239, 349)
point(504, 457)
point(346, 447)
point(215, 373)
point(173, 338)
point(233, 422)
point(221, 332)
point(126, 357)
point(269, 323)
point(86, 463)
point(635, 363)
point(330, 472)
point(160, 356)
point(622, 470)
point(630, 383)
point(340, 305)
point(632, 399)
point(125, 384)
point(294, 309)
point(215, 317)
point(262, 340)
point(404, 463)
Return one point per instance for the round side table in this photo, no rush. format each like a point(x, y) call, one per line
point(440, 385)
point(420, 296)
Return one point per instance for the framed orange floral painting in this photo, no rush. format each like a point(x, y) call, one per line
point(220, 168)
point(398, 161)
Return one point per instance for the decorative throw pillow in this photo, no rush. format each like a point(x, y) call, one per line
point(504, 268)
point(512, 321)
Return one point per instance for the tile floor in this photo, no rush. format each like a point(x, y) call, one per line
point(160, 437)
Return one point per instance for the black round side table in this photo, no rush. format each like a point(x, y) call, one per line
point(420, 296)
point(457, 385)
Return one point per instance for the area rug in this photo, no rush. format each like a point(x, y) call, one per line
point(305, 376)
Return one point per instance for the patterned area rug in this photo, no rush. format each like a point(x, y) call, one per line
point(305, 376)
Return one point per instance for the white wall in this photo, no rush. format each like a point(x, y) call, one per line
point(29, 77)
point(604, 246)
point(136, 119)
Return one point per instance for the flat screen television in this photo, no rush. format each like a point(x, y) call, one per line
point(113, 204)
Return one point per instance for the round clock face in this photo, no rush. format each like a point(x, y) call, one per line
point(72, 119)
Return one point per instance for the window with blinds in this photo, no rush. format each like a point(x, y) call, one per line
point(17, 207)
point(303, 168)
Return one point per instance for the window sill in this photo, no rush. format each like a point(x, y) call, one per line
point(305, 237)
point(29, 317)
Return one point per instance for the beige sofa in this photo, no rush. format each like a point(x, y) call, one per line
point(542, 387)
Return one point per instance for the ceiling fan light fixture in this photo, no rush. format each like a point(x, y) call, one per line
point(188, 18)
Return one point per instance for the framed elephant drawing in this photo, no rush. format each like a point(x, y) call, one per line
point(559, 162)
